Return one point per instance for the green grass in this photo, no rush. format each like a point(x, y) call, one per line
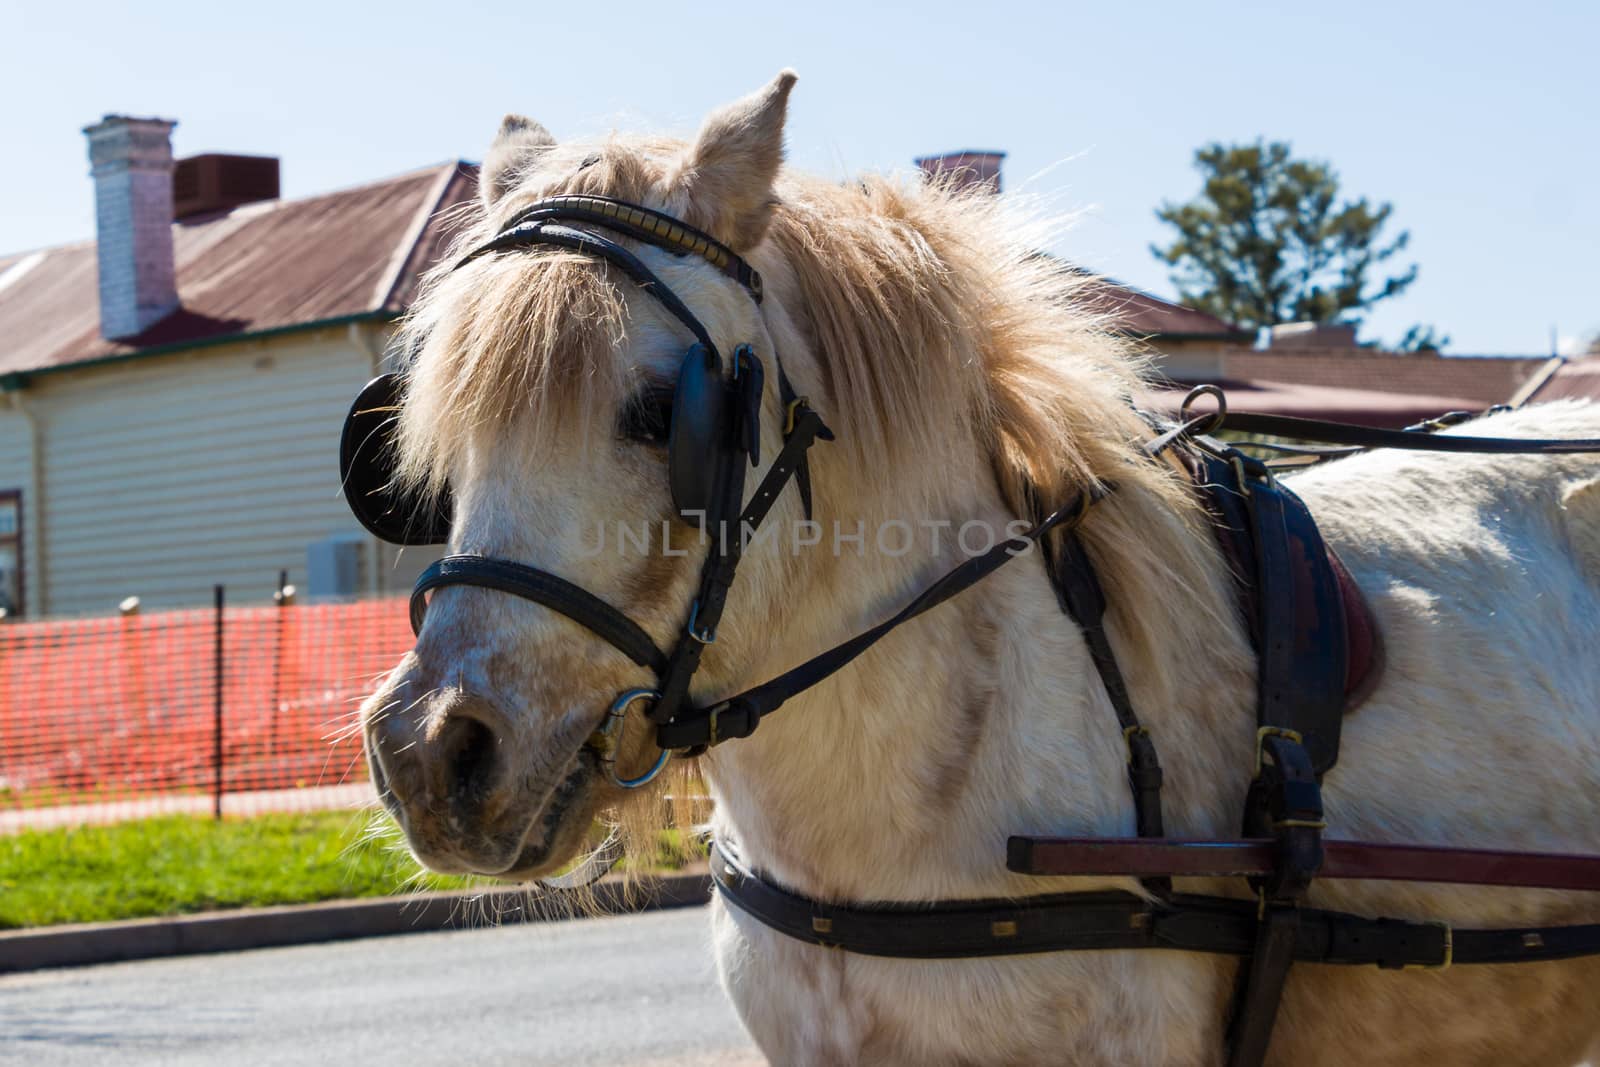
point(179, 864)
point(185, 863)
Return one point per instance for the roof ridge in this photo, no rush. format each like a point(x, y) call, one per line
point(407, 246)
point(447, 166)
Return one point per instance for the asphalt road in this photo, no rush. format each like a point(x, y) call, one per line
point(638, 989)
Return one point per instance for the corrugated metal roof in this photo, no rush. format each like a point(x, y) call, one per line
point(1482, 380)
point(1138, 312)
point(1368, 407)
point(259, 268)
point(1574, 379)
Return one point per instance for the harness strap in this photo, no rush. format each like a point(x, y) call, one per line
point(738, 716)
point(1255, 857)
point(1299, 711)
point(541, 587)
point(1081, 596)
point(722, 561)
point(1184, 922)
point(1343, 433)
point(1260, 985)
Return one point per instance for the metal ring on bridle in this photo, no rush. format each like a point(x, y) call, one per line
point(1217, 417)
point(607, 741)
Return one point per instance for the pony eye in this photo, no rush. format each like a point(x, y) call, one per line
point(647, 416)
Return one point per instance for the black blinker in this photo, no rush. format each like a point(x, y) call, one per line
point(367, 472)
point(697, 440)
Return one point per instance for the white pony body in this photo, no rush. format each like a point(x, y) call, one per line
point(1483, 732)
point(900, 778)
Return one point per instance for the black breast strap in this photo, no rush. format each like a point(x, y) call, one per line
point(1064, 922)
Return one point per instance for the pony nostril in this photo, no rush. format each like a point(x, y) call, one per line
point(467, 755)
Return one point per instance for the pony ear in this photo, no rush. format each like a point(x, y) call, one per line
point(728, 173)
point(516, 148)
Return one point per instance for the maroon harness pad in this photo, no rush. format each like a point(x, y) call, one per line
point(1364, 667)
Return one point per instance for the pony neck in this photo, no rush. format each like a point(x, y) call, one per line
point(901, 776)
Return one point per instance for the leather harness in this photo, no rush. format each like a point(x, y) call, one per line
point(1317, 649)
point(1316, 646)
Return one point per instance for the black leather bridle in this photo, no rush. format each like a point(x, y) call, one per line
point(715, 428)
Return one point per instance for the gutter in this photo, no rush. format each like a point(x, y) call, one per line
point(23, 376)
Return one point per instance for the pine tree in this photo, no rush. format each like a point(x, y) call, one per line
point(1268, 241)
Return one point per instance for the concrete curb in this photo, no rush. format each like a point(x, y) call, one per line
point(338, 920)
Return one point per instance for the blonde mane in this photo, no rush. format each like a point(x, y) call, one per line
point(927, 309)
point(931, 309)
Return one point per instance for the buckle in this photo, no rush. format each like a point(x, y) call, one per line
point(1285, 802)
point(705, 637)
point(791, 412)
point(1449, 950)
point(711, 722)
point(1273, 731)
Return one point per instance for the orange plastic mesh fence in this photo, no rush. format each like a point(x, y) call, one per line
point(109, 718)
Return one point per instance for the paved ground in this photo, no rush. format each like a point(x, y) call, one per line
point(638, 989)
point(313, 798)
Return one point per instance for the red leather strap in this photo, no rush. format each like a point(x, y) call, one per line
point(1142, 858)
point(1364, 664)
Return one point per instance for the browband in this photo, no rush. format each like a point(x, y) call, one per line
point(646, 224)
point(589, 243)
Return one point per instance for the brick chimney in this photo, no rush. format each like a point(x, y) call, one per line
point(131, 162)
point(964, 170)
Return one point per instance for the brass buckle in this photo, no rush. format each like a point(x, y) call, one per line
point(1449, 950)
point(711, 723)
point(791, 412)
point(1240, 473)
point(1273, 731)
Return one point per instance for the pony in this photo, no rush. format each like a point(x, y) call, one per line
point(961, 371)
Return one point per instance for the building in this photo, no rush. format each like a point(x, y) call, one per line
point(1564, 378)
point(1322, 373)
point(1309, 370)
point(171, 394)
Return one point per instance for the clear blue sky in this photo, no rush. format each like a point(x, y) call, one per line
point(1478, 121)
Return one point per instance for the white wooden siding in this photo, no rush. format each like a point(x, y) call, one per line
point(168, 474)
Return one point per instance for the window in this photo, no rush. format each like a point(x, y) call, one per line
point(11, 551)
